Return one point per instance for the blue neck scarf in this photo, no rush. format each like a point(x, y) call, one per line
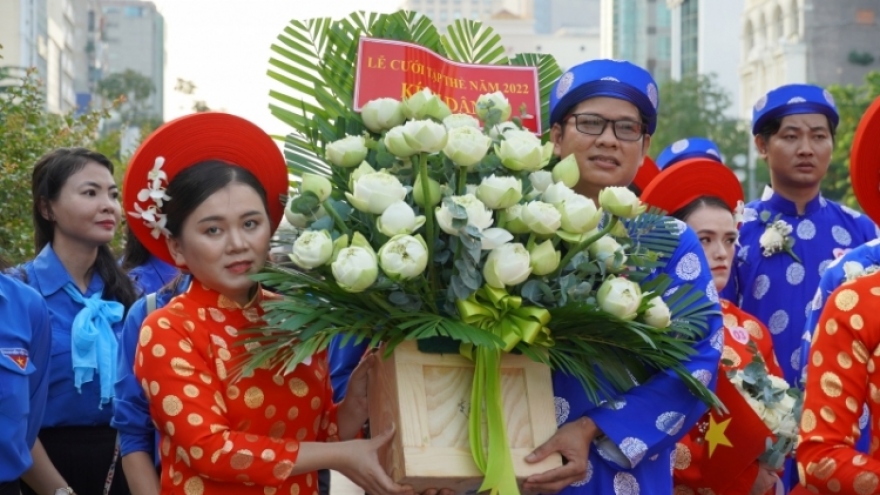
point(93, 343)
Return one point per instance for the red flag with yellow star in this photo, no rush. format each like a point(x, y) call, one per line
point(733, 440)
point(18, 356)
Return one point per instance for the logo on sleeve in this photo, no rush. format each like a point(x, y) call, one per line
point(17, 355)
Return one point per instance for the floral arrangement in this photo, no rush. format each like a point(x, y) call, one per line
point(775, 402)
point(853, 270)
point(776, 237)
point(420, 223)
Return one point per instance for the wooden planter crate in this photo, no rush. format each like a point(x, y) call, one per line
point(427, 398)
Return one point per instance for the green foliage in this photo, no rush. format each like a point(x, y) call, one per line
point(132, 91)
point(697, 106)
point(852, 102)
point(27, 132)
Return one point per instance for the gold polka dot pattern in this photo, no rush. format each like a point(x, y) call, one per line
point(692, 465)
point(837, 387)
point(251, 427)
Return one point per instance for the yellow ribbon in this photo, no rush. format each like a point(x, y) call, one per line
point(496, 310)
point(501, 313)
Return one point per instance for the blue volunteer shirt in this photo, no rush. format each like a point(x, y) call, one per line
point(66, 406)
point(152, 275)
point(25, 343)
point(343, 359)
point(643, 424)
point(778, 290)
point(131, 411)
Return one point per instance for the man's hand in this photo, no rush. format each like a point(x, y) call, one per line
point(572, 441)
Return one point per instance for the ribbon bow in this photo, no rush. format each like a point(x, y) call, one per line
point(502, 314)
point(93, 343)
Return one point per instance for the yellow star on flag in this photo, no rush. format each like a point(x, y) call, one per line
point(715, 434)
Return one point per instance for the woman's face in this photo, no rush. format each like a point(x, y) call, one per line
point(717, 232)
point(87, 209)
point(225, 240)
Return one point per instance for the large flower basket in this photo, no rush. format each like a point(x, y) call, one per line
point(428, 204)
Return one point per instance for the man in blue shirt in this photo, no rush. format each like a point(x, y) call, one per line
point(25, 344)
point(772, 279)
point(627, 445)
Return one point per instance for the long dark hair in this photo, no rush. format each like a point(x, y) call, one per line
point(193, 185)
point(134, 254)
point(50, 174)
point(711, 201)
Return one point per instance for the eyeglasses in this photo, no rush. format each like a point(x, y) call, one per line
point(594, 125)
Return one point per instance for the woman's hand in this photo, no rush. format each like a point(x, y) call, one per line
point(354, 409)
point(361, 465)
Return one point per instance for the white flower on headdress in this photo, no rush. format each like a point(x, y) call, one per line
point(152, 216)
point(153, 219)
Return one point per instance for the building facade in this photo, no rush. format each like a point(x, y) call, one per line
point(806, 41)
point(134, 34)
point(551, 16)
point(444, 12)
point(639, 31)
point(703, 41)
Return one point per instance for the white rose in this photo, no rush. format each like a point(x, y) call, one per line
point(756, 406)
point(782, 226)
point(771, 419)
point(355, 268)
point(299, 220)
point(620, 297)
point(567, 171)
point(604, 250)
point(788, 426)
point(499, 192)
point(511, 219)
point(396, 144)
point(579, 214)
point(544, 258)
point(477, 214)
point(621, 202)
point(316, 184)
point(541, 180)
point(347, 152)
point(399, 218)
point(403, 257)
point(658, 314)
point(425, 104)
point(785, 404)
point(425, 136)
point(541, 218)
point(556, 193)
point(507, 265)
point(457, 120)
point(493, 101)
point(778, 383)
point(382, 114)
point(373, 193)
point(853, 269)
point(466, 146)
point(771, 241)
point(523, 151)
point(312, 249)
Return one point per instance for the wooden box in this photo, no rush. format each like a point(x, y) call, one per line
point(427, 398)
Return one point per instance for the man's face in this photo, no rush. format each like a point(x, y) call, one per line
point(800, 153)
point(604, 160)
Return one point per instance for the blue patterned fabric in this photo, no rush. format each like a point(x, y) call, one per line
point(778, 290)
point(643, 424)
point(684, 149)
point(66, 405)
point(25, 343)
point(611, 78)
point(131, 411)
point(793, 99)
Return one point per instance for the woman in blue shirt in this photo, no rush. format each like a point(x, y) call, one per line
point(24, 361)
point(75, 212)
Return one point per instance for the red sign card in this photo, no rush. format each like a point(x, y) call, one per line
point(395, 69)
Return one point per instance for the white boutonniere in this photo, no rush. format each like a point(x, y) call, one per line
point(853, 270)
point(776, 237)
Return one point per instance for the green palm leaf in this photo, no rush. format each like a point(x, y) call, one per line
point(472, 43)
point(548, 73)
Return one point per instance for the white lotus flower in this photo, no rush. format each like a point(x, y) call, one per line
point(499, 192)
point(620, 297)
point(399, 218)
point(313, 248)
point(403, 257)
point(373, 193)
point(466, 146)
point(382, 114)
point(507, 265)
point(347, 152)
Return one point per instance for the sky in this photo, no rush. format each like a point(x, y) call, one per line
point(223, 46)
